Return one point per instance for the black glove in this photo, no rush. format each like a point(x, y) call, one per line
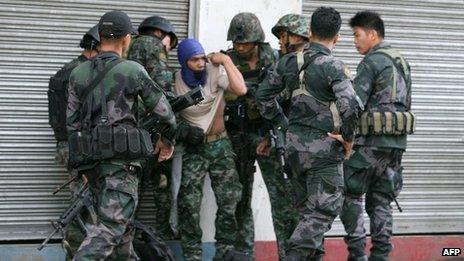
point(189, 134)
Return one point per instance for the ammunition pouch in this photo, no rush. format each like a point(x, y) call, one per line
point(387, 123)
point(57, 98)
point(109, 142)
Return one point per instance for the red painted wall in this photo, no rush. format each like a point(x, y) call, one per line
point(406, 248)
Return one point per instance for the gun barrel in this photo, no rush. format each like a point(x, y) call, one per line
point(65, 184)
point(47, 239)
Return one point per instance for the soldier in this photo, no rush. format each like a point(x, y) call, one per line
point(151, 48)
point(323, 101)
point(292, 32)
point(212, 154)
point(383, 83)
point(57, 98)
point(251, 55)
point(106, 147)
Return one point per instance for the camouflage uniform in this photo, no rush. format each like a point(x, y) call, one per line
point(150, 52)
point(114, 182)
point(246, 130)
point(314, 158)
point(216, 159)
point(245, 145)
point(375, 168)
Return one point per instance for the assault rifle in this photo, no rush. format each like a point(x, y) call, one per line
point(83, 200)
point(277, 137)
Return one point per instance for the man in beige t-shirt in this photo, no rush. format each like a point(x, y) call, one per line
point(211, 155)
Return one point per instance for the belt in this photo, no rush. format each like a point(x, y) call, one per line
point(215, 137)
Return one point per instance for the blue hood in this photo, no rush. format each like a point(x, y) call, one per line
point(187, 49)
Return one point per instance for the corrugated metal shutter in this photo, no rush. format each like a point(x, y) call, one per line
point(36, 39)
point(430, 35)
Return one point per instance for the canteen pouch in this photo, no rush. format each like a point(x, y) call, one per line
point(120, 141)
point(133, 138)
point(146, 143)
point(102, 136)
point(80, 149)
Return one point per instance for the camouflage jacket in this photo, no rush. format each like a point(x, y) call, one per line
point(267, 57)
point(149, 51)
point(373, 84)
point(327, 79)
point(122, 85)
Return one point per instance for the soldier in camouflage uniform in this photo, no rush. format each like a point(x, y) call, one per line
point(151, 48)
point(323, 103)
point(57, 97)
point(383, 85)
point(292, 32)
point(251, 55)
point(212, 154)
point(113, 180)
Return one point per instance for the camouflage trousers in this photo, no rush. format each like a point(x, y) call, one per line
point(162, 199)
point(115, 187)
point(216, 159)
point(377, 173)
point(283, 214)
point(318, 189)
point(73, 235)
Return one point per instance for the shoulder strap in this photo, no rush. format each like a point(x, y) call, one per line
point(400, 66)
point(302, 65)
point(98, 79)
point(303, 90)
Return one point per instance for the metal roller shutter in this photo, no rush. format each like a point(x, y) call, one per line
point(429, 34)
point(36, 39)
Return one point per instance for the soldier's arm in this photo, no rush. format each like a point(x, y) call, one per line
point(268, 93)
point(346, 99)
point(364, 81)
point(158, 69)
point(72, 115)
point(156, 103)
point(154, 60)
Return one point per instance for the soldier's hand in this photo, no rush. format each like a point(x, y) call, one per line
point(165, 151)
point(347, 145)
point(217, 58)
point(263, 148)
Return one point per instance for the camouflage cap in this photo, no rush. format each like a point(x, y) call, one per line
point(245, 28)
point(295, 24)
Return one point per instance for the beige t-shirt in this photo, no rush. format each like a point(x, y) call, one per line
point(202, 114)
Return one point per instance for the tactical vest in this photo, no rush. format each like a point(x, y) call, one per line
point(303, 88)
point(106, 141)
point(238, 108)
point(57, 99)
point(391, 114)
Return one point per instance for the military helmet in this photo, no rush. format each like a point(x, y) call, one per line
point(282, 24)
point(294, 23)
point(91, 38)
point(245, 28)
point(161, 23)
